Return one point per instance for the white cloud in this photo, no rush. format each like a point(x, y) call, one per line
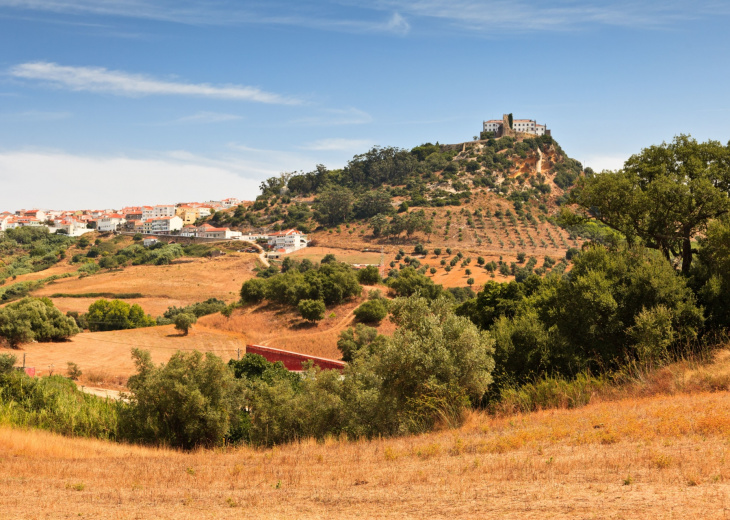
point(313, 15)
point(207, 117)
point(99, 79)
point(520, 16)
point(65, 181)
point(334, 116)
point(338, 144)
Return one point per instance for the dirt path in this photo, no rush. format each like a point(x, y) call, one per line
point(101, 392)
point(539, 161)
point(262, 256)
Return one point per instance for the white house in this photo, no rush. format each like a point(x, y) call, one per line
point(230, 202)
point(528, 126)
point(189, 231)
point(34, 213)
point(110, 222)
point(208, 231)
point(149, 241)
point(161, 210)
point(289, 240)
point(162, 225)
point(4, 219)
point(23, 222)
point(253, 237)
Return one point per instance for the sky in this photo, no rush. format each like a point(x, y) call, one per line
point(108, 103)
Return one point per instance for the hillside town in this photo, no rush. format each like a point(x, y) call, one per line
point(163, 220)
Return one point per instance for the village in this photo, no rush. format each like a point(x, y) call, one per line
point(153, 223)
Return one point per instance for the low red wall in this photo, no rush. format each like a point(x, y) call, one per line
point(293, 360)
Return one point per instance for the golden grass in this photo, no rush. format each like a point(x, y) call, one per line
point(104, 357)
point(283, 327)
point(658, 457)
point(187, 281)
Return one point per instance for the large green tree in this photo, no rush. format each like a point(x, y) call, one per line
point(665, 195)
point(34, 319)
point(116, 315)
point(333, 205)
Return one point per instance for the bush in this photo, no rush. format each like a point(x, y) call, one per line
point(372, 311)
point(55, 404)
point(184, 321)
point(192, 401)
point(7, 362)
point(74, 372)
point(369, 276)
point(409, 281)
point(198, 309)
point(34, 319)
point(361, 339)
point(116, 315)
point(312, 310)
point(253, 290)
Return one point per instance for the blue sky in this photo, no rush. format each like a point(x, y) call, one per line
point(105, 103)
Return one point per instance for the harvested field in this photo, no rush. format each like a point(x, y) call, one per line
point(104, 357)
point(350, 256)
point(186, 281)
point(651, 458)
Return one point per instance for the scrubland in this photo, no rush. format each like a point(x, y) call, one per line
point(657, 449)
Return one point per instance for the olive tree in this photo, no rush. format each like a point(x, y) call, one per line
point(665, 195)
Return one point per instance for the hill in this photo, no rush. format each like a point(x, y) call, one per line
point(493, 198)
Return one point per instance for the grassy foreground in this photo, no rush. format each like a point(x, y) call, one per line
point(657, 451)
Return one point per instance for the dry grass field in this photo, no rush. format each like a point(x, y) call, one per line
point(104, 357)
point(186, 281)
point(351, 256)
point(283, 327)
point(655, 457)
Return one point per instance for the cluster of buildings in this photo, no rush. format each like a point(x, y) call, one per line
point(163, 219)
point(152, 221)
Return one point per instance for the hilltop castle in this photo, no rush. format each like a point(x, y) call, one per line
point(526, 126)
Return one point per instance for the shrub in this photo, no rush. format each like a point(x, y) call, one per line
point(409, 281)
point(192, 401)
point(361, 339)
point(312, 310)
point(184, 321)
point(55, 404)
point(253, 290)
point(7, 362)
point(116, 315)
point(34, 319)
point(369, 276)
point(74, 372)
point(372, 311)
